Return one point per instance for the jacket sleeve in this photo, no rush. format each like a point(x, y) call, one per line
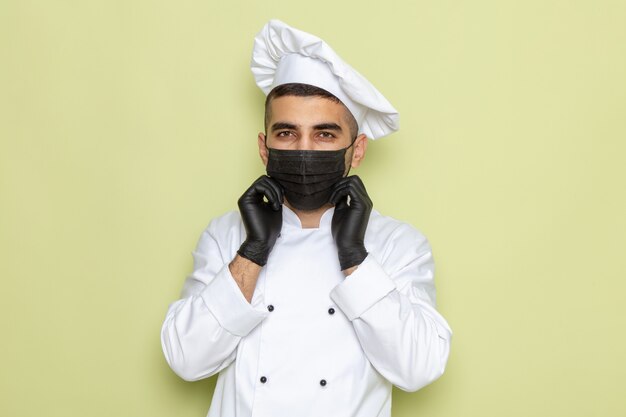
point(201, 331)
point(391, 304)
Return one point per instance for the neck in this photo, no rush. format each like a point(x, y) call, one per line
point(309, 218)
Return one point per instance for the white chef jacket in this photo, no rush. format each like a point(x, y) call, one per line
point(312, 342)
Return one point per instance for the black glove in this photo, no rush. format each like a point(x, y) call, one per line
point(262, 220)
point(350, 221)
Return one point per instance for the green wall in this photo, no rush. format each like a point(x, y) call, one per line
point(125, 126)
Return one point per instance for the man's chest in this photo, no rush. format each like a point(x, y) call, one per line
point(306, 340)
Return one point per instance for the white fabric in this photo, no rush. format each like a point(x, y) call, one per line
point(282, 54)
point(385, 329)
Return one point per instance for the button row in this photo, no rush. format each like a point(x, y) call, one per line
point(264, 380)
point(330, 310)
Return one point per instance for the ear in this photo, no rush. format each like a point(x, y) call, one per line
point(360, 146)
point(262, 148)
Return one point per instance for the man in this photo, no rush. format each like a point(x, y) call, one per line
point(307, 301)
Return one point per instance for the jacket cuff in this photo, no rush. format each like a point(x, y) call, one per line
point(362, 289)
point(226, 302)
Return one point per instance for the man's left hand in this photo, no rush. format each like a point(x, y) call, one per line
point(350, 220)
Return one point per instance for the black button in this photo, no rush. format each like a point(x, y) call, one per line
point(270, 307)
point(263, 379)
point(323, 382)
point(331, 311)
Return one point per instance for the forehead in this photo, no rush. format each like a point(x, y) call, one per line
point(307, 110)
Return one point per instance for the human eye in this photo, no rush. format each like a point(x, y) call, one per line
point(284, 134)
point(327, 135)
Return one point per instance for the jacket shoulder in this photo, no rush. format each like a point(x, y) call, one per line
point(225, 223)
point(396, 243)
point(386, 229)
point(226, 231)
point(403, 252)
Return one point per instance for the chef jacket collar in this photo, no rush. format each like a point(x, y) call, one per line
point(291, 219)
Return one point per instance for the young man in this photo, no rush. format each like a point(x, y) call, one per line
point(307, 301)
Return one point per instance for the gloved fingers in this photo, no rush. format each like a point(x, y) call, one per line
point(254, 194)
point(339, 191)
point(352, 186)
point(279, 193)
point(358, 183)
point(356, 180)
point(339, 195)
point(270, 189)
point(363, 197)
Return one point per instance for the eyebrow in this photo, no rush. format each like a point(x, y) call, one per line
point(321, 126)
point(327, 126)
point(283, 125)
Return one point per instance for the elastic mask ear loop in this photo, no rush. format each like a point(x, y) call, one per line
point(344, 155)
point(351, 143)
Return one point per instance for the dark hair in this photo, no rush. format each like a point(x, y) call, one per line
point(306, 90)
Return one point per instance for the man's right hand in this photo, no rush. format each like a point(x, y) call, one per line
point(262, 220)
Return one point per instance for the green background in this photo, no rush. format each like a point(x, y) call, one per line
point(125, 126)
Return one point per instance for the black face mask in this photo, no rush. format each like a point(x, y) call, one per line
point(307, 176)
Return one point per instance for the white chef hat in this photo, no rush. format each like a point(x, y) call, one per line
point(283, 54)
